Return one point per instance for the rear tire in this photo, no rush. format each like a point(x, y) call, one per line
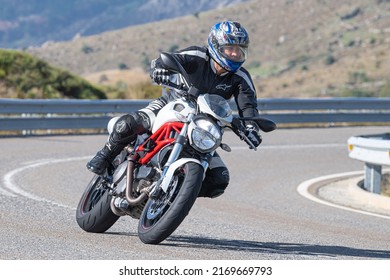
point(93, 212)
point(161, 217)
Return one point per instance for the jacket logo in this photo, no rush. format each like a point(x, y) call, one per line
point(224, 87)
point(120, 126)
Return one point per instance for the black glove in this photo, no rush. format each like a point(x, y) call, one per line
point(253, 135)
point(160, 75)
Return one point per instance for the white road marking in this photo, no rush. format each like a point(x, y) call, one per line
point(303, 146)
point(303, 189)
point(13, 189)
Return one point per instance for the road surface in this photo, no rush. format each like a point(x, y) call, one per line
point(261, 215)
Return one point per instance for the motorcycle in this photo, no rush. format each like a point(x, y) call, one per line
point(157, 179)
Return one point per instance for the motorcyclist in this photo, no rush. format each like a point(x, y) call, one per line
point(215, 69)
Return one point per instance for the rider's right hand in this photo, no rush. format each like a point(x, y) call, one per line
point(160, 75)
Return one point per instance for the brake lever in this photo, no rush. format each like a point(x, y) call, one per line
point(238, 128)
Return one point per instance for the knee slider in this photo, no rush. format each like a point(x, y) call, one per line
point(130, 124)
point(123, 126)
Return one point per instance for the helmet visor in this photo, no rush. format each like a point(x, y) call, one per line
point(235, 53)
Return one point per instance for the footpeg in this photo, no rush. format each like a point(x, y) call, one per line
point(156, 193)
point(122, 205)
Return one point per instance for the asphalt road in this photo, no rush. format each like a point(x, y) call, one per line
point(261, 216)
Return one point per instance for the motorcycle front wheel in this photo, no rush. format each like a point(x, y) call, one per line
point(93, 212)
point(163, 215)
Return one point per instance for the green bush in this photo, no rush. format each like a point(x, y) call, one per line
point(150, 91)
point(330, 59)
point(30, 77)
point(385, 90)
point(357, 77)
point(356, 92)
point(122, 66)
point(86, 49)
point(173, 48)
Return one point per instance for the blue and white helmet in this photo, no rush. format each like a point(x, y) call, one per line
point(228, 44)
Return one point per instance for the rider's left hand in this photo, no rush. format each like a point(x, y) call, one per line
point(253, 135)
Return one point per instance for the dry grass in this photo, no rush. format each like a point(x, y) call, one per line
point(114, 76)
point(328, 80)
point(385, 186)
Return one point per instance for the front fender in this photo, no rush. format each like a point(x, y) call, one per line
point(172, 168)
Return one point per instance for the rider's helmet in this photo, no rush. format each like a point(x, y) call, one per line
point(228, 44)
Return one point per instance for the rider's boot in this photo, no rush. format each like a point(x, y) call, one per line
point(103, 158)
point(125, 131)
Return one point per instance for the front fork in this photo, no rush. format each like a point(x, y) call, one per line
point(163, 182)
point(174, 162)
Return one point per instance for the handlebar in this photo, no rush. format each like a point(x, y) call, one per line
point(186, 91)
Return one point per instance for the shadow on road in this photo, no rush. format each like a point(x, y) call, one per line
point(312, 251)
point(316, 251)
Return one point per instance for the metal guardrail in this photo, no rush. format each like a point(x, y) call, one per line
point(374, 151)
point(37, 114)
point(34, 114)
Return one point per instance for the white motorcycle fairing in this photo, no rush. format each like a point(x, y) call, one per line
point(176, 110)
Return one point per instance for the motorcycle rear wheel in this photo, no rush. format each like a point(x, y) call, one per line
point(93, 212)
point(162, 216)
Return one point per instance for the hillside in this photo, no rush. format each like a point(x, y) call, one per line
point(298, 48)
point(33, 22)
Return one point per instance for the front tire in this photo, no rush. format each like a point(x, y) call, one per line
point(93, 212)
point(162, 216)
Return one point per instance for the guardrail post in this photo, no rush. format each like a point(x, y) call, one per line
point(372, 178)
point(26, 131)
point(374, 151)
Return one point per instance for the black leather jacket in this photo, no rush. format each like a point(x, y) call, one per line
point(200, 67)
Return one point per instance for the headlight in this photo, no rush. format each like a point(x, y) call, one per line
point(205, 135)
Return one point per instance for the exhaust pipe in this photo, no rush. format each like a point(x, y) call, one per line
point(129, 185)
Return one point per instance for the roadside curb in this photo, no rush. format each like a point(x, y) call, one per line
point(371, 199)
point(342, 191)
